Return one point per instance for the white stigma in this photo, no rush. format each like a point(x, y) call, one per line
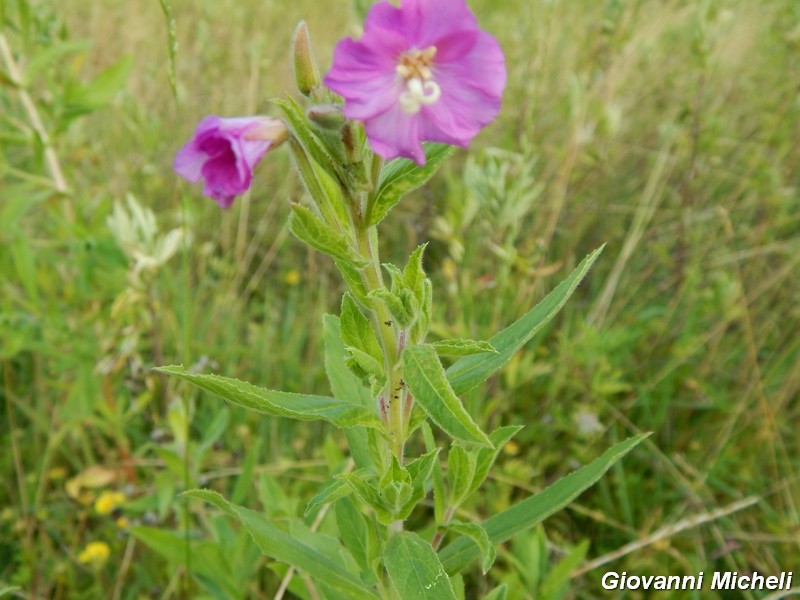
point(418, 94)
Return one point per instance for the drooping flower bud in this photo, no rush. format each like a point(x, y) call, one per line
point(306, 72)
point(326, 116)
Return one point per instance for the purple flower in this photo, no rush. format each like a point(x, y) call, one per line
point(223, 152)
point(421, 72)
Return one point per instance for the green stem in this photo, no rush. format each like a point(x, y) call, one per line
point(389, 334)
point(440, 532)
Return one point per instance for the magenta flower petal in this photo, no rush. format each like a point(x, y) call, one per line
point(394, 133)
point(224, 152)
point(421, 72)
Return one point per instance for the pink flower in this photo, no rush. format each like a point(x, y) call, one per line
point(421, 72)
point(224, 152)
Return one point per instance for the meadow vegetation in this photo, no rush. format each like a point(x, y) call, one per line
point(666, 129)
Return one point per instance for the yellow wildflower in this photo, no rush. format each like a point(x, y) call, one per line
point(292, 277)
point(57, 473)
point(95, 553)
point(107, 501)
point(511, 448)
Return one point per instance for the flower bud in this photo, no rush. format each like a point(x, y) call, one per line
point(269, 129)
point(306, 72)
point(326, 116)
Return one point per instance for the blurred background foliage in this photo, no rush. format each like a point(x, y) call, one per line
point(666, 129)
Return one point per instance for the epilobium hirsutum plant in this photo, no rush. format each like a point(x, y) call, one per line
point(422, 78)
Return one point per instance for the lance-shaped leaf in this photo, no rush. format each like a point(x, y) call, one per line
point(426, 380)
point(394, 304)
point(473, 370)
point(415, 570)
point(402, 176)
point(332, 490)
point(366, 488)
point(478, 535)
point(345, 385)
point(305, 134)
point(287, 549)
point(462, 347)
point(306, 227)
point(485, 457)
point(460, 473)
point(498, 593)
point(303, 407)
point(359, 338)
point(536, 508)
point(414, 274)
point(352, 277)
point(355, 532)
point(438, 478)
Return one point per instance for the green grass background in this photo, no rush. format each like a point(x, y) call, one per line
point(667, 129)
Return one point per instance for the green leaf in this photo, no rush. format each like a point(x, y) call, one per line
point(309, 229)
point(303, 132)
point(498, 593)
point(166, 543)
point(420, 471)
point(320, 169)
point(420, 468)
point(244, 482)
point(394, 305)
point(415, 570)
point(365, 364)
point(213, 570)
point(7, 590)
point(397, 498)
point(396, 276)
point(438, 478)
point(359, 337)
point(333, 490)
point(353, 531)
point(214, 430)
point(287, 549)
point(462, 347)
point(473, 370)
point(99, 92)
point(395, 472)
point(426, 380)
point(402, 176)
point(352, 277)
point(420, 329)
point(303, 407)
point(414, 274)
point(460, 472)
point(53, 55)
point(346, 386)
point(318, 183)
point(557, 581)
point(485, 457)
point(366, 489)
point(478, 535)
point(397, 491)
point(535, 509)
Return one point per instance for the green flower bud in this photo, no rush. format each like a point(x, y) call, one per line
point(306, 72)
point(326, 116)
